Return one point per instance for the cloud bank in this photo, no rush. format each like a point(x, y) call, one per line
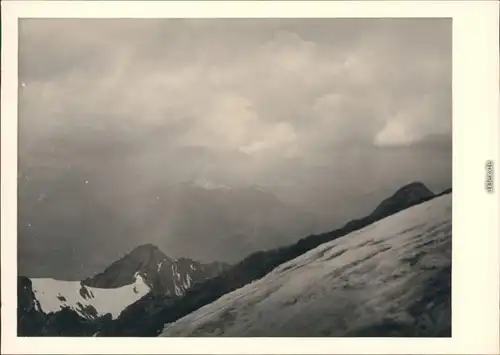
point(320, 111)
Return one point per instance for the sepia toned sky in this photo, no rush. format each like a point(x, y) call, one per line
point(322, 112)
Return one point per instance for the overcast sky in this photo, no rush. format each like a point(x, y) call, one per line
point(323, 112)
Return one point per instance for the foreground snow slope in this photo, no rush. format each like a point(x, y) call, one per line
point(390, 278)
point(89, 302)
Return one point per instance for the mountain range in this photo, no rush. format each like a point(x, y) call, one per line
point(145, 270)
point(199, 220)
point(209, 221)
point(156, 290)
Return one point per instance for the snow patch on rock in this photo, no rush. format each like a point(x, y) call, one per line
point(89, 302)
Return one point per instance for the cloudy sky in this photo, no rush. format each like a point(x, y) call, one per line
point(326, 113)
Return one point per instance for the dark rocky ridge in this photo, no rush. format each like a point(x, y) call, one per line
point(33, 322)
point(29, 318)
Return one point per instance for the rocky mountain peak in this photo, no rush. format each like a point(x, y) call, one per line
point(408, 195)
point(161, 273)
point(142, 260)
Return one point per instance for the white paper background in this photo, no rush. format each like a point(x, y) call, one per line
point(475, 287)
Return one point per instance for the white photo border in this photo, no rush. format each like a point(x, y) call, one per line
point(476, 247)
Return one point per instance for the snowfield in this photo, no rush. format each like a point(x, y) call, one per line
point(89, 302)
point(392, 277)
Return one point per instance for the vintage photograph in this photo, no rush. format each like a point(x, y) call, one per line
point(234, 177)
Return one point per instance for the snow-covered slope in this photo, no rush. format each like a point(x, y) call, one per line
point(89, 302)
point(392, 277)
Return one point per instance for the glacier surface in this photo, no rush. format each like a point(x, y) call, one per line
point(391, 278)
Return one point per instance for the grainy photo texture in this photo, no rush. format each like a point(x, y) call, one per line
point(235, 177)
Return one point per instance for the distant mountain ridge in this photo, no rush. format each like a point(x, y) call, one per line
point(210, 185)
point(407, 195)
point(205, 220)
point(200, 219)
